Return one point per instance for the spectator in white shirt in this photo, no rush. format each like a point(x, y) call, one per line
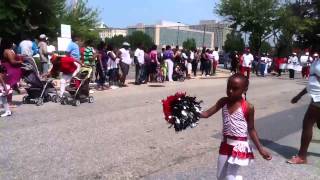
point(125, 62)
point(112, 65)
point(292, 63)
point(306, 61)
point(215, 62)
point(247, 62)
point(139, 62)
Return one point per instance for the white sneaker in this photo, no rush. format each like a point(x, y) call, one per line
point(114, 87)
point(7, 113)
point(91, 91)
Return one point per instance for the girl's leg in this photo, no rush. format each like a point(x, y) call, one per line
point(232, 172)
point(222, 167)
point(310, 118)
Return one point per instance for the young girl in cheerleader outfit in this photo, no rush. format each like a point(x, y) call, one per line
point(238, 123)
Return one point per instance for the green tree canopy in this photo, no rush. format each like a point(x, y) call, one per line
point(189, 44)
point(256, 17)
point(234, 42)
point(139, 37)
point(308, 26)
point(83, 20)
point(116, 40)
point(265, 47)
point(30, 18)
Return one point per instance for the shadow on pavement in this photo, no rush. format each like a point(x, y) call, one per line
point(156, 85)
point(279, 125)
point(285, 151)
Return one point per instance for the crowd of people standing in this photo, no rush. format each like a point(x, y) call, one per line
point(111, 65)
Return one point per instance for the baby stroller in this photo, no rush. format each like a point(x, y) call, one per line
point(39, 91)
point(78, 90)
point(160, 77)
point(179, 73)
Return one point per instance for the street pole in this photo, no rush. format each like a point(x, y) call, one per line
point(178, 33)
point(178, 36)
point(204, 34)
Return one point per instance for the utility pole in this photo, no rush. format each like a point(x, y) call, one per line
point(204, 34)
point(178, 33)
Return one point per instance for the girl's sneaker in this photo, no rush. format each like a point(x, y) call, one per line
point(7, 113)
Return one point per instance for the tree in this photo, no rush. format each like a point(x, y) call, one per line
point(265, 47)
point(139, 37)
point(83, 20)
point(29, 17)
point(116, 40)
point(308, 12)
point(189, 44)
point(255, 16)
point(234, 42)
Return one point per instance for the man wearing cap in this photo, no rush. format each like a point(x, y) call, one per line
point(305, 61)
point(292, 63)
point(43, 52)
point(247, 62)
point(125, 62)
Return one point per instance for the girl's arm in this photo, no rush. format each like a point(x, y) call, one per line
point(213, 109)
point(298, 96)
point(254, 135)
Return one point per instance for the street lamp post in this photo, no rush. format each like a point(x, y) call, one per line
point(204, 34)
point(178, 33)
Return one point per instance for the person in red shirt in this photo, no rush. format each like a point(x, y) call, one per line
point(68, 66)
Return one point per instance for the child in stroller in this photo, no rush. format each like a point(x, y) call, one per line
point(78, 90)
point(160, 74)
point(179, 72)
point(38, 91)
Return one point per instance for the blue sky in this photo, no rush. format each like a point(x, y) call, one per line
point(121, 13)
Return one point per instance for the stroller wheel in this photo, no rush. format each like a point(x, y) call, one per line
point(90, 99)
point(39, 102)
point(55, 98)
point(58, 99)
point(76, 102)
point(64, 101)
point(49, 98)
point(25, 100)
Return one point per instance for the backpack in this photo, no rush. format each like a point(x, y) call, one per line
point(88, 55)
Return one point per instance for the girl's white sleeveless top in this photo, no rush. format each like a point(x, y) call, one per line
point(234, 124)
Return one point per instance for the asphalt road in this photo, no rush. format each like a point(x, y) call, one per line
point(123, 135)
